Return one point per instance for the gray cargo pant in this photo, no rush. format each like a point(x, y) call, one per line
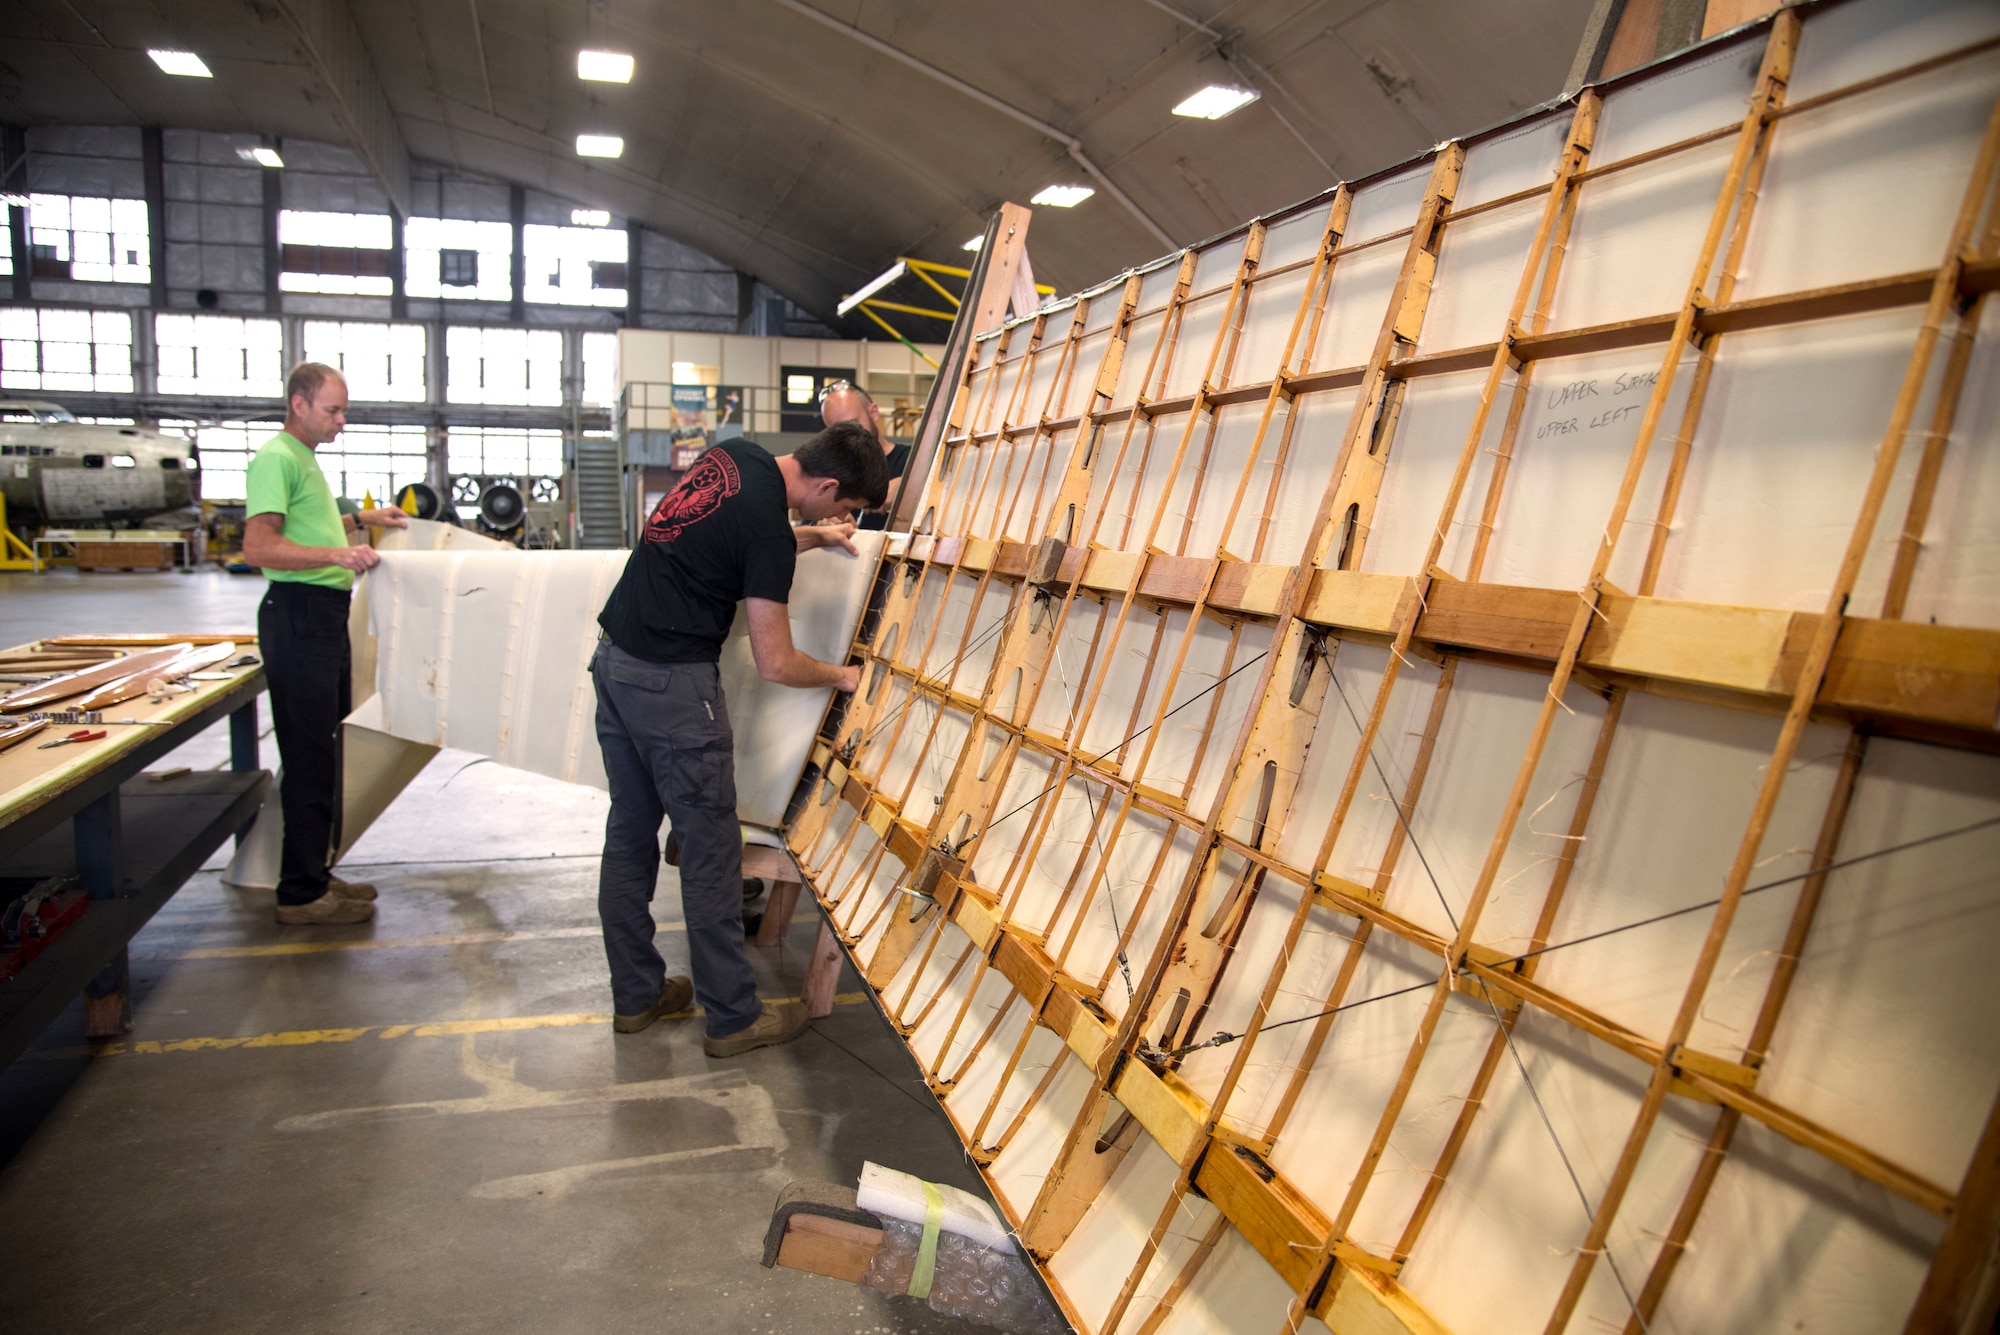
point(664, 731)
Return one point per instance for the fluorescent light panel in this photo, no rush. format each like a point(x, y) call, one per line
point(1063, 196)
point(263, 157)
point(895, 271)
point(590, 217)
point(604, 66)
point(599, 146)
point(184, 63)
point(1216, 101)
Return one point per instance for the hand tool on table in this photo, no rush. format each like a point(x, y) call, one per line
point(80, 735)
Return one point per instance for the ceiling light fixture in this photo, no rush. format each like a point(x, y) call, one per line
point(895, 271)
point(263, 157)
point(590, 217)
point(974, 244)
point(604, 66)
point(1216, 101)
point(184, 63)
point(1063, 196)
point(599, 146)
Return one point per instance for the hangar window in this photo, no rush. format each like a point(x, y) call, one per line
point(223, 355)
point(600, 369)
point(508, 366)
point(58, 350)
point(382, 362)
point(89, 240)
point(369, 460)
point(225, 452)
point(575, 266)
point(455, 257)
point(504, 452)
point(342, 254)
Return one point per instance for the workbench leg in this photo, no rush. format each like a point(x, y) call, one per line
point(243, 755)
point(243, 737)
point(778, 913)
point(99, 833)
point(824, 975)
point(107, 1000)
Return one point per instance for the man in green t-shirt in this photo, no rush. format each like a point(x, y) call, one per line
point(310, 555)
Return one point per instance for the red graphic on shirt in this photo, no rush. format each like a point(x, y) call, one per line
point(712, 480)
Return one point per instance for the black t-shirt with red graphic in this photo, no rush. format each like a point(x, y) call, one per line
point(719, 537)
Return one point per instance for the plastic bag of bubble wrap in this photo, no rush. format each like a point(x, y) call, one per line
point(954, 1253)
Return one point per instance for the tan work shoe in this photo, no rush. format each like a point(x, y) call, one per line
point(677, 994)
point(327, 911)
point(350, 889)
point(781, 1022)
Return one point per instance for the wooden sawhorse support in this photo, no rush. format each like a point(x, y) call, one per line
point(823, 975)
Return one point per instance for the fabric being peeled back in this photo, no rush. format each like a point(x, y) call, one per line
point(489, 652)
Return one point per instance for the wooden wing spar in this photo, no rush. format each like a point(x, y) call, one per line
point(1432, 763)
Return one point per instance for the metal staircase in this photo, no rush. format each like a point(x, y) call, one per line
point(600, 518)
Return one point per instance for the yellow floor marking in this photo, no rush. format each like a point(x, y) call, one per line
point(390, 943)
point(294, 1038)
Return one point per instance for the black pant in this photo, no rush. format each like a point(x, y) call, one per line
point(302, 634)
point(669, 754)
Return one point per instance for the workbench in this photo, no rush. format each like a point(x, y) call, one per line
point(87, 810)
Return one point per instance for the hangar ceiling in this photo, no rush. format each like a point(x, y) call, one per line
point(810, 142)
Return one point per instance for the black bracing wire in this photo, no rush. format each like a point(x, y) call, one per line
point(1214, 685)
point(949, 671)
point(1223, 1039)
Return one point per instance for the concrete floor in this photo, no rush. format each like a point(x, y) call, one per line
point(426, 1123)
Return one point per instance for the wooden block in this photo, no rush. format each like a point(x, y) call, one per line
point(1355, 601)
point(778, 910)
point(1047, 566)
point(978, 554)
point(1013, 558)
point(974, 917)
point(1942, 674)
point(1280, 1223)
point(1172, 1113)
point(1363, 1301)
point(1090, 1038)
point(823, 975)
point(830, 1247)
point(880, 819)
point(1251, 587)
point(1024, 964)
point(1174, 579)
point(1500, 618)
point(906, 842)
point(1112, 572)
point(947, 550)
point(1742, 648)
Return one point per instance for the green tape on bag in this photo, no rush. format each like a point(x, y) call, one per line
point(926, 1267)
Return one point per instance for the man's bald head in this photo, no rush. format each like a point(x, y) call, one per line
point(849, 403)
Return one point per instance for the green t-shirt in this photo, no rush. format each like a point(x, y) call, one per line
point(285, 480)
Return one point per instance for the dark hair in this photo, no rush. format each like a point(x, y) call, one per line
point(306, 381)
point(849, 453)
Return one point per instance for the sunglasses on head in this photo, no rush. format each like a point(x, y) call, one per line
point(825, 390)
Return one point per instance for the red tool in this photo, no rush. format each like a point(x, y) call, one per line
point(80, 735)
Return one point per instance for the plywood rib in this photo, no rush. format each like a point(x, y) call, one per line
point(1248, 815)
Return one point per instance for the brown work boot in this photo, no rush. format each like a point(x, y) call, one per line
point(328, 910)
point(363, 890)
point(676, 996)
point(781, 1022)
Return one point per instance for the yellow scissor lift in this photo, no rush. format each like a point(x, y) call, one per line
point(871, 303)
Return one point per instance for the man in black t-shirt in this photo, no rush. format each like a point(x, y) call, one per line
point(844, 402)
point(718, 538)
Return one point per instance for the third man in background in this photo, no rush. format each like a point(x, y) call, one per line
point(845, 402)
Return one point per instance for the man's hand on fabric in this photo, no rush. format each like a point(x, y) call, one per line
point(358, 558)
point(839, 535)
point(387, 516)
point(850, 679)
